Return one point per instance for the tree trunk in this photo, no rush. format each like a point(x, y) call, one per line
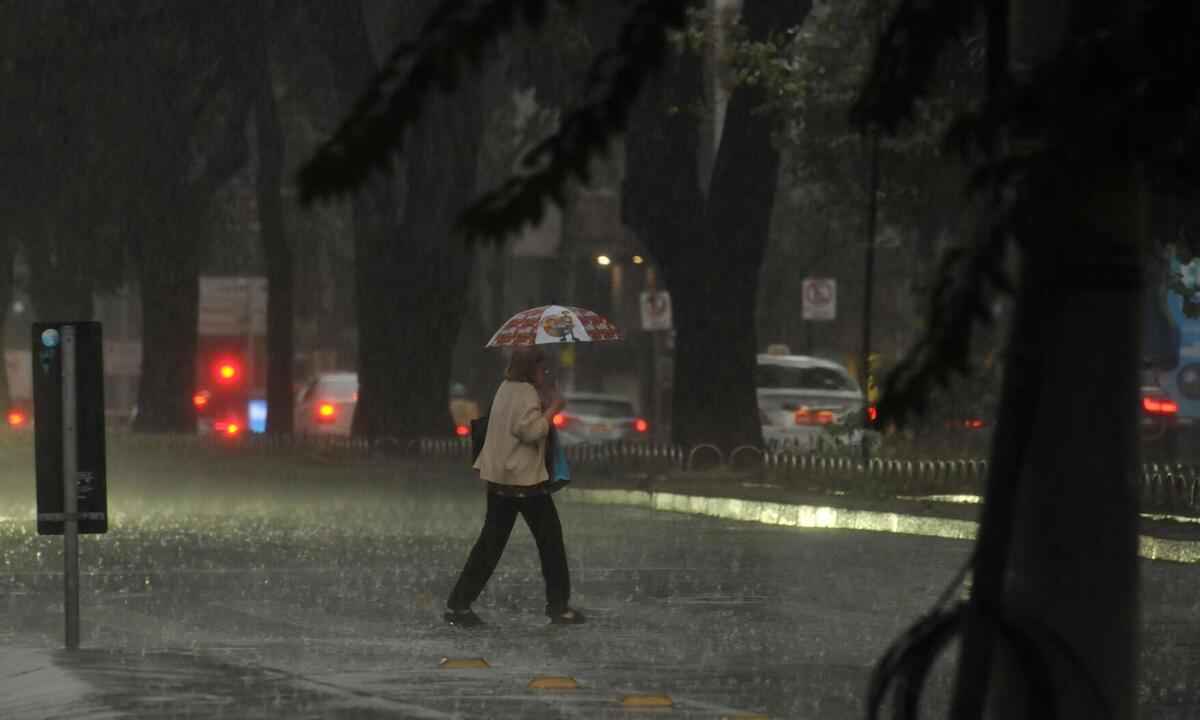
point(277, 250)
point(424, 275)
point(59, 287)
point(168, 264)
point(411, 279)
point(710, 250)
point(1058, 534)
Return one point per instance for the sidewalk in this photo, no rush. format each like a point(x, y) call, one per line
point(743, 497)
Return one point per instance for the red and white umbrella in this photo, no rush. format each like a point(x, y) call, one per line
point(553, 325)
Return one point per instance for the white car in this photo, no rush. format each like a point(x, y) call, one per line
point(326, 404)
point(807, 403)
point(591, 418)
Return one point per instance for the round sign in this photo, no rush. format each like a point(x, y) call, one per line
point(50, 338)
point(819, 292)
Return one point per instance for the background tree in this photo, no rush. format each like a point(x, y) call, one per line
point(710, 241)
point(277, 250)
point(187, 105)
point(456, 36)
point(412, 268)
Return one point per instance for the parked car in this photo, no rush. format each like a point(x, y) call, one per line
point(326, 404)
point(807, 404)
point(592, 418)
point(1160, 426)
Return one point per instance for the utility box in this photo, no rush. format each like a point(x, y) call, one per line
point(48, 388)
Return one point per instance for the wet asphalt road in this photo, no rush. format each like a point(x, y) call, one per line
point(270, 588)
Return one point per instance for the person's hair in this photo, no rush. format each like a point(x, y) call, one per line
point(523, 365)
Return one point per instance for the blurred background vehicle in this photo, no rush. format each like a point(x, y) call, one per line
point(325, 406)
point(809, 404)
point(595, 418)
point(1161, 429)
point(326, 403)
point(223, 393)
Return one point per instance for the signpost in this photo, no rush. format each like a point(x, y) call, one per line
point(68, 397)
point(656, 311)
point(658, 320)
point(819, 299)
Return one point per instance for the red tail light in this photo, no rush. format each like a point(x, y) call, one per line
point(641, 425)
point(462, 431)
point(226, 372)
point(804, 416)
point(326, 412)
point(16, 418)
point(1160, 406)
point(228, 428)
point(974, 423)
point(560, 420)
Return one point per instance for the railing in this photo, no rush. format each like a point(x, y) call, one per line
point(1167, 489)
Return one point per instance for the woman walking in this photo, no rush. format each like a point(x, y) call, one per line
point(512, 462)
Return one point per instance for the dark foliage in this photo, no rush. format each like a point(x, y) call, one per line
point(452, 38)
point(1108, 97)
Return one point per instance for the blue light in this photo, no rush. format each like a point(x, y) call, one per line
point(258, 416)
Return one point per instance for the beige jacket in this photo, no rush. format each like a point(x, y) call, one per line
point(514, 449)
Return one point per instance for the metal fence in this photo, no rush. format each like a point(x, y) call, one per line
point(1166, 489)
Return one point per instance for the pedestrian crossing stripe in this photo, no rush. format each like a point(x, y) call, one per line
point(548, 682)
point(647, 701)
point(463, 663)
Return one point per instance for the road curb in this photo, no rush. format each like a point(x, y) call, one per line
point(826, 517)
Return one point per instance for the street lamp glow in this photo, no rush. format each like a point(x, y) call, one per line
point(638, 259)
point(604, 261)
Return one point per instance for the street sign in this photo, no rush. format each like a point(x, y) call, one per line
point(819, 299)
point(68, 443)
point(656, 310)
point(50, 393)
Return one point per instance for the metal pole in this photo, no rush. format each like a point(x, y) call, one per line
point(70, 489)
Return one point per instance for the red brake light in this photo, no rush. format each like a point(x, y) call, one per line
point(804, 416)
point(641, 425)
point(326, 412)
point(226, 372)
point(560, 420)
point(975, 423)
point(16, 418)
point(462, 430)
point(1160, 406)
point(228, 428)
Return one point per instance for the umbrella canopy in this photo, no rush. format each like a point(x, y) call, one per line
point(554, 324)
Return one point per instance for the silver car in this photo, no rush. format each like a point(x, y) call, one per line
point(591, 418)
point(326, 404)
point(808, 404)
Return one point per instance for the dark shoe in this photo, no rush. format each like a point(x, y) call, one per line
point(462, 618)
point(566, 617)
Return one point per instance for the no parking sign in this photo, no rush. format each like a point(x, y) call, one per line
point(656, 311)
point(819, 299)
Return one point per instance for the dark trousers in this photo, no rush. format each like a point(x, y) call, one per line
point(542, 519)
